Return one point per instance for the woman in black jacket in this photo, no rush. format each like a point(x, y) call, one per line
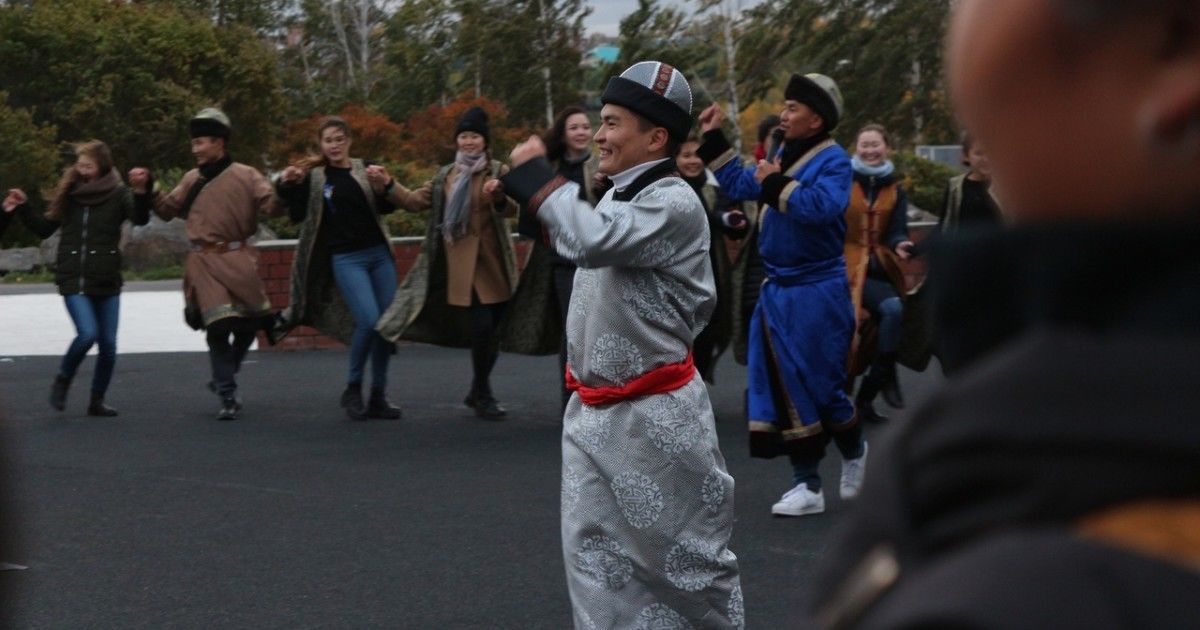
point(89, 206)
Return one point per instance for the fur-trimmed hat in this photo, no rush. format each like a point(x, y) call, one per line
point(657, 92)
point(474, 119)
point(820, 93)
point(210, 121)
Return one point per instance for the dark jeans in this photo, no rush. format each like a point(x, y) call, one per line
point(485, 347)
point(879, 297)
point(564, 281)
point(227, 357)
point(367, 280)
point(805, 463)
point(95, 318)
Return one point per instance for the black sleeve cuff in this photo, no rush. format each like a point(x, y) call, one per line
point(772, 187)
point(714, 145)
point(523, 182)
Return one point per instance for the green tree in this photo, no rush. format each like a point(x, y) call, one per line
point(264, 16)
point(28, 160)
point(132, 76)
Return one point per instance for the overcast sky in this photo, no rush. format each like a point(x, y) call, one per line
point(606, 14)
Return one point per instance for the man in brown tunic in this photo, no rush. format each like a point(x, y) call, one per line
point(220, 200)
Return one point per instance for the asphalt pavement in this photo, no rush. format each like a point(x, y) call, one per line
point(295, 517)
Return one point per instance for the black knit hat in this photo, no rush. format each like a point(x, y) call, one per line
point(818, 92)
point(209, 122)
point(474, 119)
point(655, 91)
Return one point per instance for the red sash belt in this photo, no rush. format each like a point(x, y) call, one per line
point(667, 378)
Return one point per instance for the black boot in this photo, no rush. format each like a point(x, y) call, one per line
point(58, 392)
point(231, 408)
point(97, 407)
point(488, 408)
point(890, 382)
point(379, 407)
point(864, 400)
point(352, 402)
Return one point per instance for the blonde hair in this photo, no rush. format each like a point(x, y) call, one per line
point(99, 153)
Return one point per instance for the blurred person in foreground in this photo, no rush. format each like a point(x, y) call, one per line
point(1055, 480)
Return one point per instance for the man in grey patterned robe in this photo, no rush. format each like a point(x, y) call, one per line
point(647, 505)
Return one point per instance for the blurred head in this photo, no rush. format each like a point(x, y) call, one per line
point(571, 134)
point(872, 145)
point(626, 139)
point(333, 137)
point(975, 158)
point(208, 149)
point(92, 159)
point(1088, 108)
point(687, 160)
point(766, 126)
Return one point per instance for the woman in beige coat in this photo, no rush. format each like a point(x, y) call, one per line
point(467, 263)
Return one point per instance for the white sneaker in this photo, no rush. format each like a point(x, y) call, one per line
point(852, 475)
point(799, 501)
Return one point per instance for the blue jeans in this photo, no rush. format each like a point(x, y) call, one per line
point(367, 280)
point(95, 318)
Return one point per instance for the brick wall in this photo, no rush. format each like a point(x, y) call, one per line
point(275, 269)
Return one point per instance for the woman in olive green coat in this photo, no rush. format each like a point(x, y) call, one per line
point(89, 206)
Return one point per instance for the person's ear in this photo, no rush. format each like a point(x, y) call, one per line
point(658, 139)
point(1170, 115)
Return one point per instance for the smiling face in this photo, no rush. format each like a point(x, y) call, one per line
point(799, 121)
point(470, 143)
point(86, 168)
point(688, 161)
point(871, 148)
point(578, 134)
point(207, 149)
point(335, 145)
point(625, 140)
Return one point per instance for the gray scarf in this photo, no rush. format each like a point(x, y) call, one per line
point(458, 207)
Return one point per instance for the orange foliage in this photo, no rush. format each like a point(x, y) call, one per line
point(424, 140)
point(428, 136)
point(376, 137)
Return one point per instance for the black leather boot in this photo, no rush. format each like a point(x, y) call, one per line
point(352, 402)
point(97, 407)
point(488, 408)
point(864, 400)
point(378, 407)
point(58, 392)
point(890, 383)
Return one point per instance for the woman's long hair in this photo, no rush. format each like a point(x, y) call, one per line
point(553, 138)
point(100, 154)
point(315, 159)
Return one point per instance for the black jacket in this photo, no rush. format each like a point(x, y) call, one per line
point(89, 257)
point(1072, 353)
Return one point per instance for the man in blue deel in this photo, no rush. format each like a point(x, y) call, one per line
point(802, 326)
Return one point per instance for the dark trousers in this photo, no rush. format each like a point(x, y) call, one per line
point(485, 347)
point(564, 281)
point(225, 355)
point(849, 442)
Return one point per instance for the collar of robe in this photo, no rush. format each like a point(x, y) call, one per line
point(633, 181)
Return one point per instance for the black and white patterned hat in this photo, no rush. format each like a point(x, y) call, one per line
point(656, 91)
